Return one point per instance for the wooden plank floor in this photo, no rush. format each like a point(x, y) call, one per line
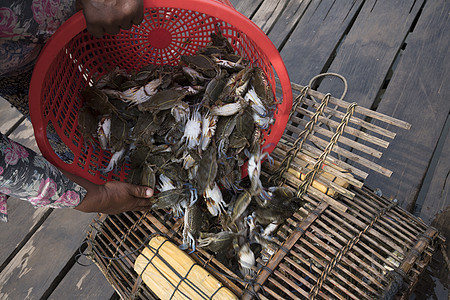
point(395, 58)
point(38, 249)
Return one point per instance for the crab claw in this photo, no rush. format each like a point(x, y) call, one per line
point(192, 130)
point(254, 170)
point(263, 198)
point(221, 147)
point(246, 260)
point(270, 159)
point(231, 185)
point(139, 95)
point(183, 246)
point(193, 193)
point(227, 109)
point(114, 160)
point(214, 200)
point(165, 183)
point(104, 132)
point(251, 222)
point(262, 122)
point(177, 211)
point(270, 229)
point(190, 243)
point(193, 243)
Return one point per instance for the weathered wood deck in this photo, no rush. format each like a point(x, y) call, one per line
point(395, 57)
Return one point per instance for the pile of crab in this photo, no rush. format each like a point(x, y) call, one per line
point(186, 132)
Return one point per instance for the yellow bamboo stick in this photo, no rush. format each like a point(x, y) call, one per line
point(323, 187)
point(173, 269)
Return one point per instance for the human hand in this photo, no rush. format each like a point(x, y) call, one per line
point(116, 197)
point(109, 16)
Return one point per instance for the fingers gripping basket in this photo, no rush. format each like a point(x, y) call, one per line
point(73, 59)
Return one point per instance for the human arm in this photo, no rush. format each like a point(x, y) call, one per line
point(109, 16)
point(28, 176)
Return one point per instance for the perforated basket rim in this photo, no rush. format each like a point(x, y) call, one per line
point(77, 23)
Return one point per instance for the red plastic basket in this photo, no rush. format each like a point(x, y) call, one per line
point(73, 58)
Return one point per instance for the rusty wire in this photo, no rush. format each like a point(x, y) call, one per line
point(277, 177)
point(309, 177)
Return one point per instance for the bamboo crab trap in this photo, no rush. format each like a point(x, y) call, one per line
point(347, 242)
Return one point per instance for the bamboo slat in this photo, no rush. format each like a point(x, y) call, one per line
point(296, 276)
point(401, 239)
point(318, 194)
point(347, 154)
point(350, 130)
point(353, 120)
point(321, 258)
point(346, 262)
point(342, 140)
point(303, 157)
point(324, 182)
point(359, 109)
point(386, 239)
point(315, 153)
point(357, 249)
point(386, 229)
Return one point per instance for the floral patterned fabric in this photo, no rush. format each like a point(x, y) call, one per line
point(28, 176)
point(25, 26)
